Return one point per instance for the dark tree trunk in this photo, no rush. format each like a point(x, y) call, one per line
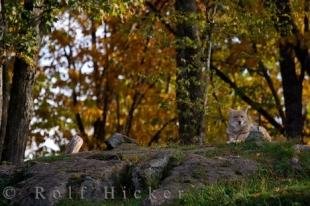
point(4, 106)
point(20, 112)
point(292, 91)
point(103, 90)
point(101, 123)
point(291, 80)
point(1, 94)
point(189, 92)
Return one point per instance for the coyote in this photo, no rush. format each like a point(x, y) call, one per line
point(241, 129)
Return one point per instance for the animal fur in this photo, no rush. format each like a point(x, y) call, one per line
point(240, 128)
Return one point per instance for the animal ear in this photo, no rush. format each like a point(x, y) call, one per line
point(246, 109)
point(231, 111)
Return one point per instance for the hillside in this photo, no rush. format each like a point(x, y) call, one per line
point(246, 174)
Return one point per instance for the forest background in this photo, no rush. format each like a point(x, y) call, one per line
point(158, 71)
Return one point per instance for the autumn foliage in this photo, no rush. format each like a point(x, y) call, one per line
point(106, 67)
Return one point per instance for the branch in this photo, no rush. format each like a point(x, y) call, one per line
point(273, 90)
point(78, 116)
point(74, 95)
point(156, 136)
point(138, 96)
point(248, 100)
point(157, 14)
point(218, 104)
point(137, 99)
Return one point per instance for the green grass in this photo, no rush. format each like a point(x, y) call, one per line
point(51, 158)
point(259, 191)
point(275, 184)
point(129, 202)
point(274, 157)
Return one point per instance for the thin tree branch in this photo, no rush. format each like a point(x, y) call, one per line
point(78, 117)
point(156, 136)
point(157, 13)
point(273, 90)
point(137, 99)
point(219, 109)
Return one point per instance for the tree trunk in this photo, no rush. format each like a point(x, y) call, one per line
point(189, 92)
point(103, 92)
point(1, 92)
point(101, 124)
point(20, 112)
point(291, 81)
point(292, 91)
point(4, 106)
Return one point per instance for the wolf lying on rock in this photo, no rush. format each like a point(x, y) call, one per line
point(241, 129)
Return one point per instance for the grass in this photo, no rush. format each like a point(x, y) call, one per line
point(258, 191)
point(51, 158)
point(274, 157)
point(275, 184)
point(116, 202)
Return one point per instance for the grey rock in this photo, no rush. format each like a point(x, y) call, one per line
point(197, 171)
point(117, 139)
point(47, 183)
point(150, 172)
point(90, 175)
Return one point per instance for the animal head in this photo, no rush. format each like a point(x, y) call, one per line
point(238, 118)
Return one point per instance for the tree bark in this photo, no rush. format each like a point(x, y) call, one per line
point(4, 107)
point(292, 91)
point(189, 91)
point(273, 90)
point(104, 92)
point(1, 92)
point(291, 81)
point(20, 112)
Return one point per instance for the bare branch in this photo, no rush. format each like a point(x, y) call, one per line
point(156, 136)
point(157, 13)
point(273, 90)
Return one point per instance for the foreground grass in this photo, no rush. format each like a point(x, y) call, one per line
point(261, 191)
point(251, 192)
point(276, 183)
point(130, 202)
point(51, 158)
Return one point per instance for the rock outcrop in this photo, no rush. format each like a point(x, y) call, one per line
point(99, 175)
point(197, 171)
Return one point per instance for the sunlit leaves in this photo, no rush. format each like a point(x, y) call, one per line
point(62, 37)
point(120, 55)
